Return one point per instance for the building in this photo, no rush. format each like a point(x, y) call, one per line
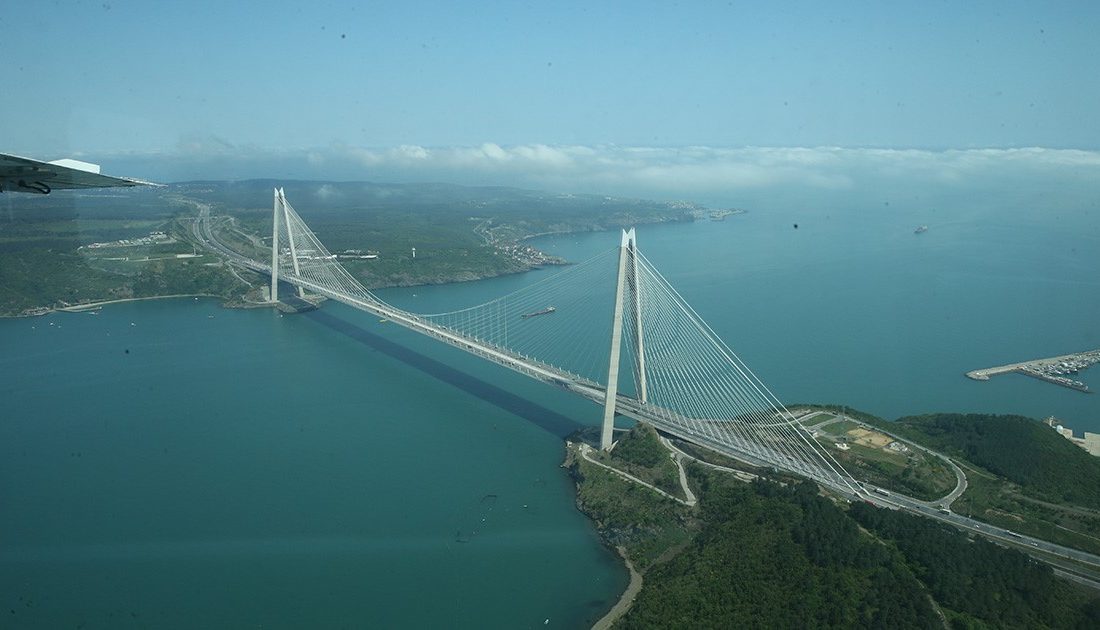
point(1091, 441)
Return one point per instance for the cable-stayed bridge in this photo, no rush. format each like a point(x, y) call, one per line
point(613, 330)
point(610, 329)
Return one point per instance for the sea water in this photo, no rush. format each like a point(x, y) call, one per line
point(176, 464)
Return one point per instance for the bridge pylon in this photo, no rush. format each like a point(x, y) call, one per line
point(697, 389)
point(627, 295)
point(275, 248)
point(282, 209)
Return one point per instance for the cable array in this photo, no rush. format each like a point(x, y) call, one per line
point(302, 255)
point(694, 383)
point(698, 385)
point(563, 320)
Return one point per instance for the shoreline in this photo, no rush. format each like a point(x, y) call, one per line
point(76, 308)
point(80, 308)
point(634, 584)
point(89, 306)
point(626, 600)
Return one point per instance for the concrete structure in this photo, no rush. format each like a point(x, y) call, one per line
point(1090, 442)
point(1051, 370)
point(688, 383)
point(628, 265)
point(275, 247)
point(696, 388)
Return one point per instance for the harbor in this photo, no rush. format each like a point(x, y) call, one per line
point(1052, 370)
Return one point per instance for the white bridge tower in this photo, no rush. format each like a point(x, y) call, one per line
point(280, 209)
point(626, 290)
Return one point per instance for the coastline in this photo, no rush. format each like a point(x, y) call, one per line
point(89, 306)
point(228, 302)
point(634, 584)
point(80, 308)
point(626, 600)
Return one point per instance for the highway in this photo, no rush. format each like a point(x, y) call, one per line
point(1056, 555)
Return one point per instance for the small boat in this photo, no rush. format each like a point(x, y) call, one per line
point(545, 311)
point(921, 230)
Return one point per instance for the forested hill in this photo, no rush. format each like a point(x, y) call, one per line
point(1044, 464)
point(766, 555)
point(769, 556)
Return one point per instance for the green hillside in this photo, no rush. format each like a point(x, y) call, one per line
point(1044, 464)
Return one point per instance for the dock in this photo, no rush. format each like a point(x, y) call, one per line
point(1052, 370)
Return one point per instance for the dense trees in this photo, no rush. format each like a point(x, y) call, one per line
point(978, 580)
point(641, 446)
point(772, 556)
point(1044, 464)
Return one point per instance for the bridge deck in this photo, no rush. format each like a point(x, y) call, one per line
point(753, 454)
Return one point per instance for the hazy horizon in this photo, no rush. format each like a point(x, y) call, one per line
point(487, 92)
point(697, 173)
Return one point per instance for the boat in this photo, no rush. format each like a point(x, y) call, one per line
point(545, 311)
point(921, 230)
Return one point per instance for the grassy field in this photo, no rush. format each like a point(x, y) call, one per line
point(838, 428)
point(869, 458)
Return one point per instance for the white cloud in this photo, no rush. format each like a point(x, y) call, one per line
point(327, 191)
point(686, 172)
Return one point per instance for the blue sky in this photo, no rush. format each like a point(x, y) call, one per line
point(285, 86)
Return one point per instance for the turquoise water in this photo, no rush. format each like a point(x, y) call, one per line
point(250, 469)
point(854, 308)
point(253, 470)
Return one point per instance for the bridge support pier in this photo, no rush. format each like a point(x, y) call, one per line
point(628, 265)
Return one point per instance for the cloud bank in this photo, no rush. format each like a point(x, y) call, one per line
point(695, 171)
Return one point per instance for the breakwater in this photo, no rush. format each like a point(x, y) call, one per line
point(1054, 370)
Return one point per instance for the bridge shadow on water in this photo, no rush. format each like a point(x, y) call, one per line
point(549, 420)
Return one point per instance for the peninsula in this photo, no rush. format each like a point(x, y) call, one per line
point(722, 544)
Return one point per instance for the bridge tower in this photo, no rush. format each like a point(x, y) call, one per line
point(281, 209)
point(627, 296)
point(275, 249)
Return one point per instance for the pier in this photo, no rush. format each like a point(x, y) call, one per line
point(1051, 370)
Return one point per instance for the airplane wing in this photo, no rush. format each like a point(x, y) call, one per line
point(20, 174)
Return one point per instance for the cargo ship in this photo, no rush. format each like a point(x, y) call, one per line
point(545, 311)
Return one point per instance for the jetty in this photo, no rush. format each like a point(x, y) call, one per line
point(1052, 370)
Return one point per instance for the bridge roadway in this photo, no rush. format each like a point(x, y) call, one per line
point(1060, 557)
point(625, 405)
